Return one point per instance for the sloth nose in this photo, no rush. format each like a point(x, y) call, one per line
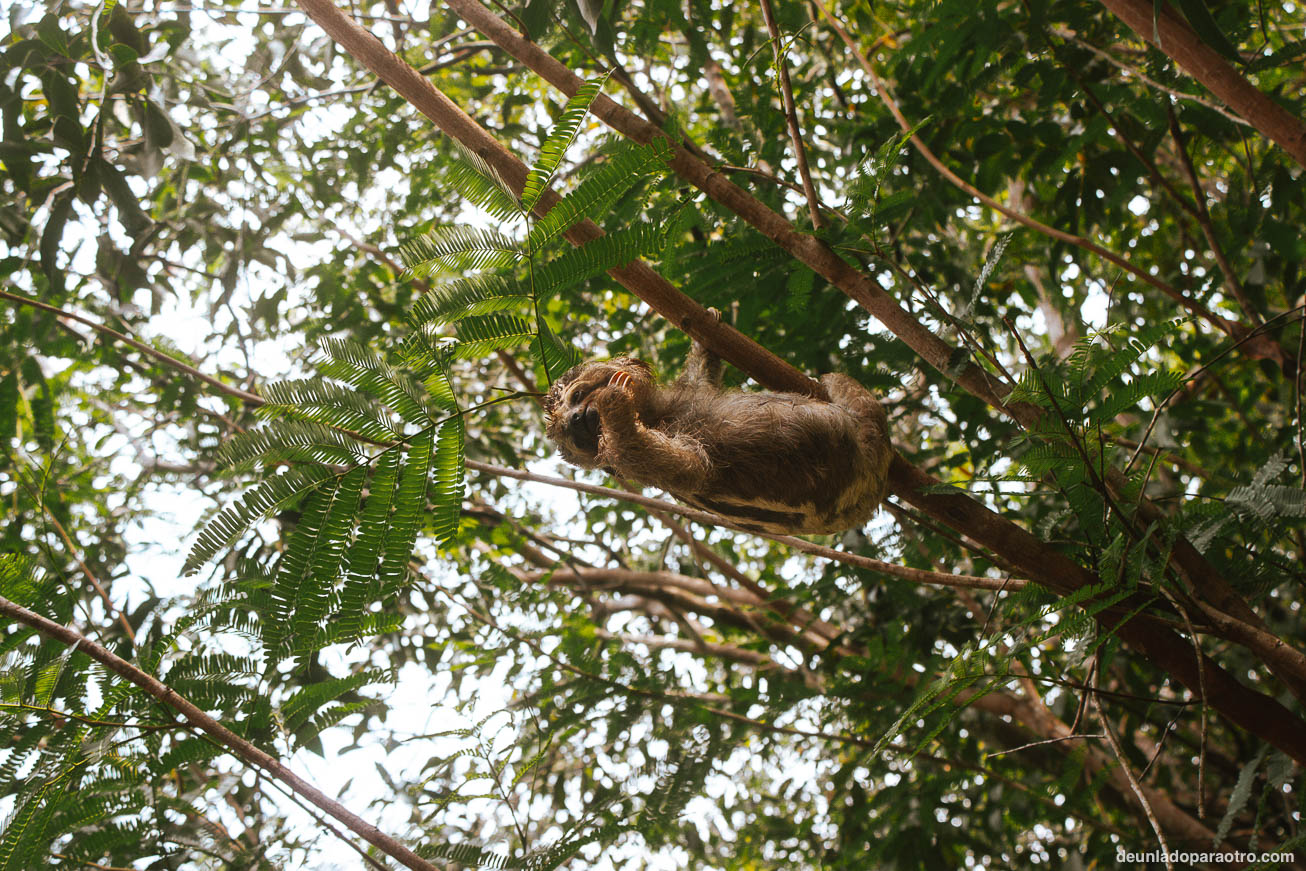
point(575, 418)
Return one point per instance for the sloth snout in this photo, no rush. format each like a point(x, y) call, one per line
point(584, 426)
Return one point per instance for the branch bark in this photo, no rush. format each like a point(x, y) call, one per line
point(1172, 35)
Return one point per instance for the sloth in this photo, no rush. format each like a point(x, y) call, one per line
point(767, 462)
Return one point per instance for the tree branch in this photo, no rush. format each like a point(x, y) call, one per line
point(811, 251)
point(1175, 38)
point(920, 576)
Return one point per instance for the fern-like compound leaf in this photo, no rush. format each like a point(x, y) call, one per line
point(257, 503)
point(458, 249)
point(317, 589)
point(292, 568)
point(480, 184)
point(362, 561)
point(330, 404)
point(410, 506)
point(449, 474)
point(610, 251)
point(289, 441)
point(560, 137)
point(601, 188)
point(475, 295)
point(363, 368)
point(478, 336)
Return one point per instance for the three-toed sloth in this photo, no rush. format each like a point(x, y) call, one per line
point(768, 462)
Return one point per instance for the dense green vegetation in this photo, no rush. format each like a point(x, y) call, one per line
point(272, 342)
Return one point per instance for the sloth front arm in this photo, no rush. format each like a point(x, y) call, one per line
point(673, 462)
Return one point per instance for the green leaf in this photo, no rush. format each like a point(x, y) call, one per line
point(610, 251)
point(1199, 16)
point(258, 503)
point(449, 474)
point(1242, 792)
point(332, 405)
point(564, 130)
point(410, 507)
point(362, 561)
point(301, 592)
point(359, 366)
point(479, 183)
point(600, 188)
point(478, 336)
point(458, 249)
point(476, 295)
point(313, 601)
point(290, 441)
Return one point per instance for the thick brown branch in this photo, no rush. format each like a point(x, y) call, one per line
point(1174, 37)
point(638, 277)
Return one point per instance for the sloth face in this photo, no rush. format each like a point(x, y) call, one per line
point(571, 406)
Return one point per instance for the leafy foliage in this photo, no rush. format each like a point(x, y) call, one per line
point(621, 695)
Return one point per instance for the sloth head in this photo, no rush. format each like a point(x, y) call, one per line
point(571, 405)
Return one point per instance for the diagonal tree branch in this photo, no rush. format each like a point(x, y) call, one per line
point(1169, 33)
point(961, 509)
point(638, 277)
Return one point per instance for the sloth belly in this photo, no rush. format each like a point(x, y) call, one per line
point(780, 463)
point(798, 501)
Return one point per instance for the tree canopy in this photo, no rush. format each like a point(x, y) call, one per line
point(283, 288)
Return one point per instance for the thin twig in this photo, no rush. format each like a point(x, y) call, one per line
point(1201, 676)
point(1133, 781)
point(791, 115)
point(1235, 286)
point(1136, 73)
point(919, 576)
point(90, 576)
point(1301, 426)
point(140, 346)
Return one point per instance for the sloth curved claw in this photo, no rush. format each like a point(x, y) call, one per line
point(622, 380)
